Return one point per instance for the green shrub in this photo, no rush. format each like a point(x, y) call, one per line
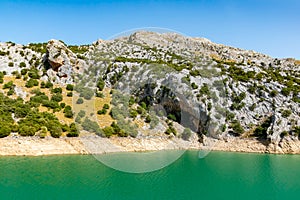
point(273, 93)
point(31, 82)
point(25, 130)
point(172, 117)
point(108, 131)
point(10, 64)
point(24, 71)
point(22, 64)
point(79, 101)
point(4, 131)
point(102, 112)
point(204, 90)
point(33, 73)
point(91, 126)
point(252, 107)
point(62, 105)
point(100, 84)
point(286, 91)
point(81, 113)
point(9, 85)
point(74, 132)
point(186, 134)
point(48, 84)
point(57, 90)
point(87, 93)
point(70, 94)
point(55, 130)
point(237, 127)
point(57, 97)
point(194, 86)
point(100, 94)
point(133, 113)
point(286, 113)
point(106, 106)
point(70, 87)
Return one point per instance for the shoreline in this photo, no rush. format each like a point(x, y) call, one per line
point(35, 146)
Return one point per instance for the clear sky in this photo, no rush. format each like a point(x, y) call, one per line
point(267, 26)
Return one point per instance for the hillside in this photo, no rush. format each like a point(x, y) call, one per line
point(148, 85)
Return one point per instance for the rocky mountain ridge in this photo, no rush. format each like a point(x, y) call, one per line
point(247, 93)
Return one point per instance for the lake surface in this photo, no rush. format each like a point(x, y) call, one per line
point(220, 175)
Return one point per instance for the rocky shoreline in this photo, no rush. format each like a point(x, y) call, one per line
point(34, 146)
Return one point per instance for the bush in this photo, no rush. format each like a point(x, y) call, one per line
point(204, 90)
point(79, 101)
point(286, 113)
point(106, 106)
point(172, 117)
point(102, 112)
point(56, 90)
point(91, 126)
point(81, 113)
point(87, 94)
point(33, 73)
point(186, 134)
point(286, 91)
point(148, 119)
point(108, 131)
point(194, 86)
point(133, 113)
point(70, 87)
point(4, 131)
point(48, 85)
point(237, 127)
point(10, 64)
point(100, 94)
point(22, 64)
point(100, 84)
point(26, 130)
point(69, 94)
point(57, 97)
point(68, 113)
point(74, 132)
point(273, 93)
point(24, 71)
point(9, 85)
point(55, 130)
point(31, 82)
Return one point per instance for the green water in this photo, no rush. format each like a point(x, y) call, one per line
point(220, 175)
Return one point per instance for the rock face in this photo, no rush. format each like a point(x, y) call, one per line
point(250, 94)
point(61, 62)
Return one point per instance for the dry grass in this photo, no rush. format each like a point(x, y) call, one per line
point(89, 106)
point(297, 62)
point(104, 120)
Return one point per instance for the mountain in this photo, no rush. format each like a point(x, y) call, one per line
point(165, 84)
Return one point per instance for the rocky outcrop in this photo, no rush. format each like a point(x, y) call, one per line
point(61, 62)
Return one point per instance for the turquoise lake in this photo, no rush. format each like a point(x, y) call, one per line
point(220, 175)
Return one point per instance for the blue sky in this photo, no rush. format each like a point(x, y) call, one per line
point(267, 26)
